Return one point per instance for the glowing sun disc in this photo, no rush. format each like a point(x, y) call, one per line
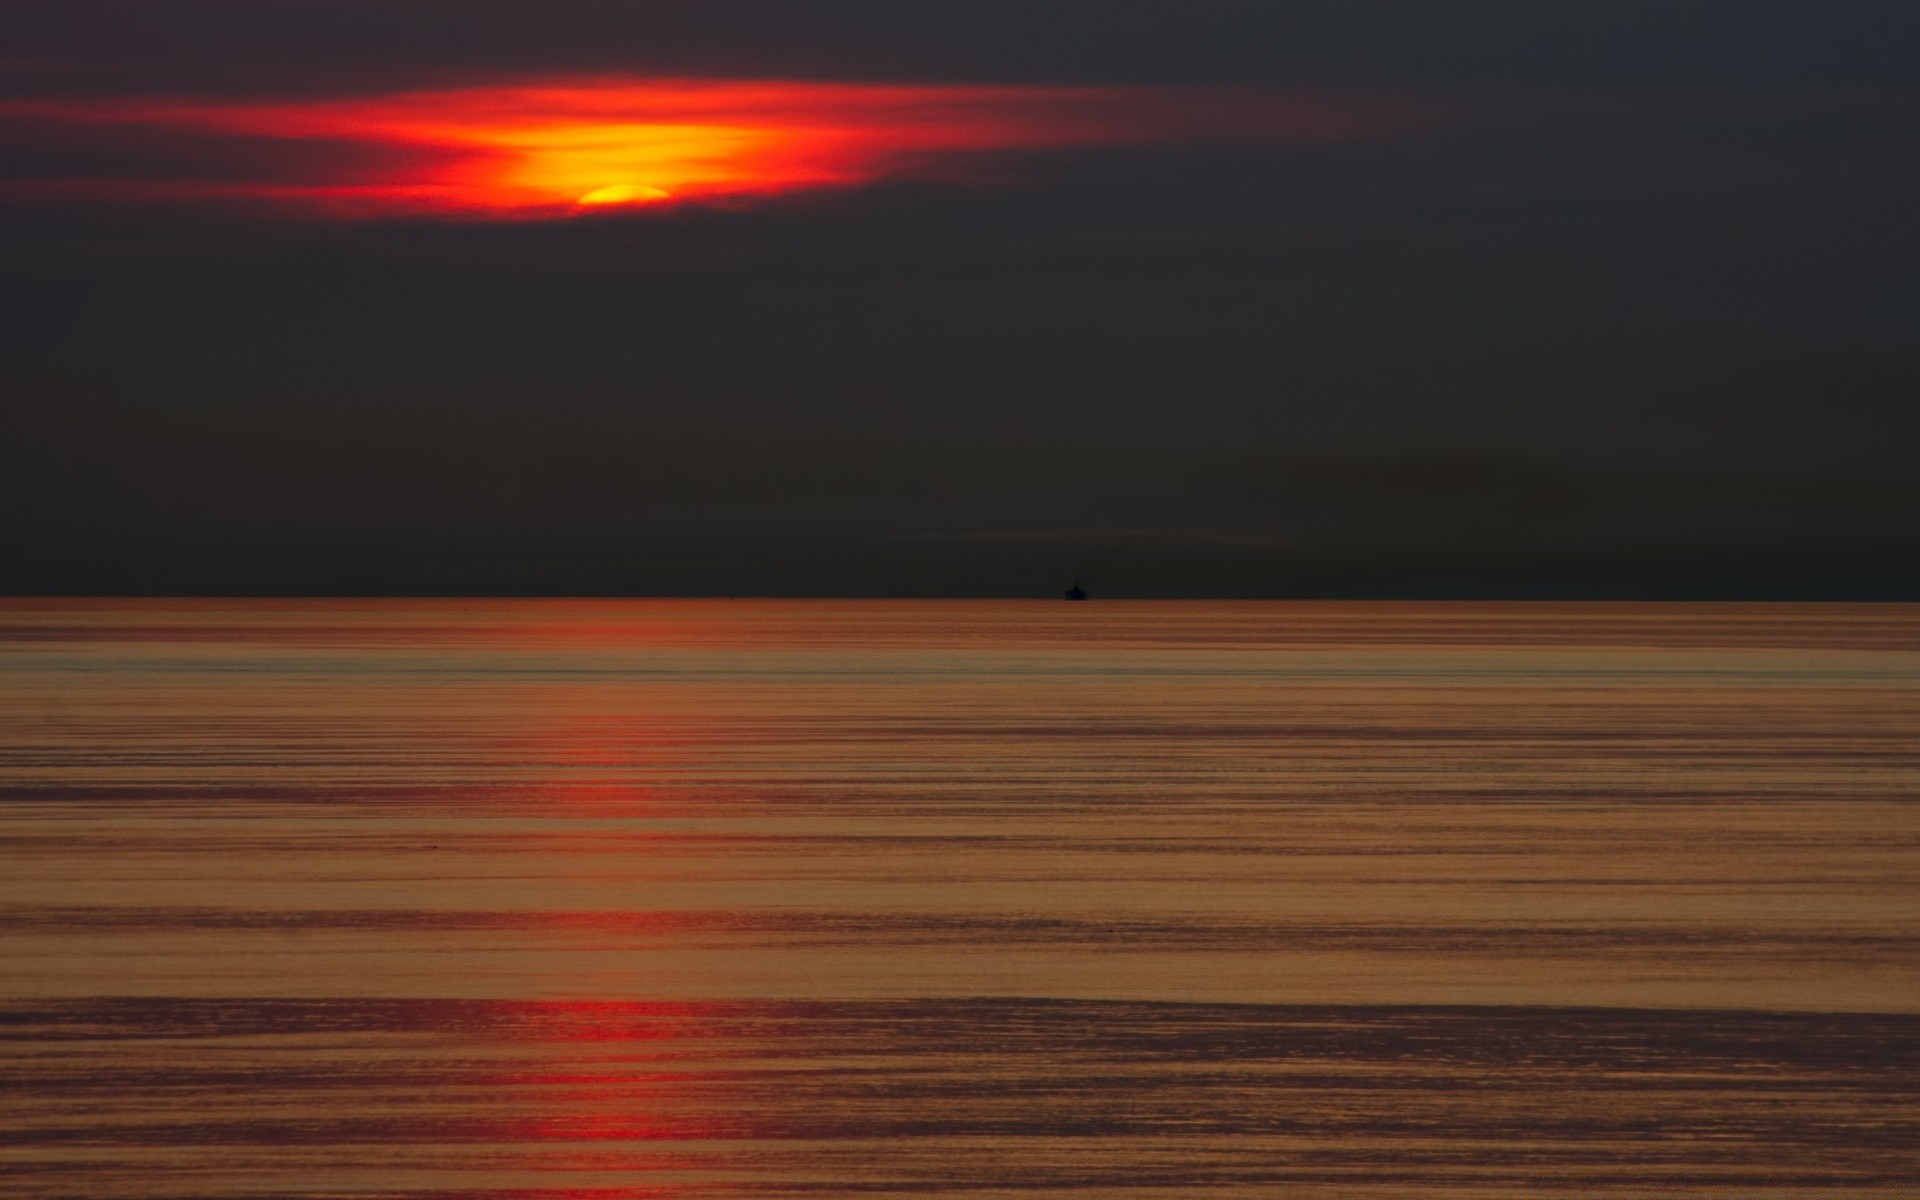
point(623, 193)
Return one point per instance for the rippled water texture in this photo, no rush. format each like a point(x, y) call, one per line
point(736, 898)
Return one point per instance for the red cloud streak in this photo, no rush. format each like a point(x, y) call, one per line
point(546, 148)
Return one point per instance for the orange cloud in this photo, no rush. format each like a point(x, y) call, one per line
point(555, 148)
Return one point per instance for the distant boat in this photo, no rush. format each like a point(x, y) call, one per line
point(1076, 592)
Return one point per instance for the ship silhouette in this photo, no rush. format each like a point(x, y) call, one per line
point(1076, 592)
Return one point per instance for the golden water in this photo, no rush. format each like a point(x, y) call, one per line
point(718, 898)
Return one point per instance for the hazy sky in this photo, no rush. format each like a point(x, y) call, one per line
point(1189, 297)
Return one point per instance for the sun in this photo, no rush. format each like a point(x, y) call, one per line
point(623, 194)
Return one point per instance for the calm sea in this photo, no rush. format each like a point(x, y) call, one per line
point(746, 898)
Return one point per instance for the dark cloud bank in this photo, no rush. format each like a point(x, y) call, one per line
point(1635, 319)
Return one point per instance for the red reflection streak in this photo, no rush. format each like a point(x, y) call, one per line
point(595, 758)
point(601, 748)
point(552, 148)
point(630, 1071)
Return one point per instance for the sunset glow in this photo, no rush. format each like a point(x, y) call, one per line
point(557, 148)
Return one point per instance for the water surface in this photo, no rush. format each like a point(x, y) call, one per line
point(710, 898)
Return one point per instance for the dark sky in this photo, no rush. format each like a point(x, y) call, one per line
point(1620, 300)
